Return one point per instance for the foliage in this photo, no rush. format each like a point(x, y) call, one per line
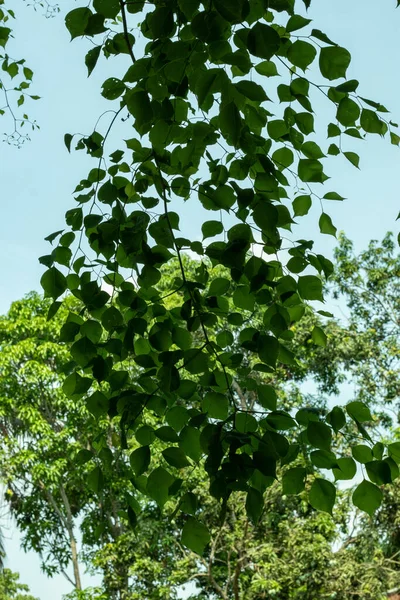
point(273, 544)
point(202, 132)
point(15, 82)
point(46, 439)
point(11, 588)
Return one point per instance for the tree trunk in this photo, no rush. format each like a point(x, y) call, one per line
point(69, 522)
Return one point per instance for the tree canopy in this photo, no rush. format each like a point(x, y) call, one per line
point(189, 374)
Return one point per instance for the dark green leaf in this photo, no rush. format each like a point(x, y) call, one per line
point(326, 226)
point(367, 497)
point(322, 495)
point(333, 62)
point(254, 505)
point(310, 287)
point(53, 282)
point(348, 112)
point(301, 54)
point(77, 20)
point(195, 535)
point(353, 158)
point(140, 460)
point(296, 22)
point(263, 41)
point(293, 480)
point(319, 435)
point(175, 457)
point(158, 484)
point(362, 453)
point(359, 412)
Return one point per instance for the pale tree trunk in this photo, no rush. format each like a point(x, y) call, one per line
point(69, 523)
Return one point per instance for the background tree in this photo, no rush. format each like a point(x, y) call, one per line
point(11, 588)
point(289, 550)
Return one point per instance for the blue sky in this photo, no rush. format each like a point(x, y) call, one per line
point(37, 180)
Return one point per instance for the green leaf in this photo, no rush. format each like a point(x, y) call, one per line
point(263, 41)
point(83, 351)
point(219, 286)
point(358, 411)
point(379, 472)
point(267, 396)
point(107, 8)
point(145, 435)
point(181, 187)
point(301, 54)
point(112, 88)
point(322, 495)
point(254, 505)
point(98, 404)
point(268, 349)
point(243, 299)
point(353, 158)
point(91, 59)
point(301, 205)
point(77, 20)
point(333, 196)
point(167, 434)
point(95, 480)
point(211, 228)
point(336, 418)
point(312, 150)
point(326, 226)
point(310, 287)
point(267, 68)
point(251, 90)
point(367, 497)
point(231, 10)
point(323, 459)
point(296, 22)
point(230, 123)
point(362, 453)
point(158, 484)
point(293, 480)
point(216, 405)
point(345, 468)
point(208, 82)
point(140, 460)
point(319, 336)
point(320, 35)
point(53, 282)
point(75, 385)
point(111, 318)
point(189, 442)
point(83, 456)
point(394, 451)
point(138, 104)
point(195, 535)
point(310, 170)
point(371, 123)
point(319, 435)
point(175, 457)
point(333, 62)
point(348, 112)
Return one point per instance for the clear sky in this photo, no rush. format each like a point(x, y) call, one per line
point(37, 180)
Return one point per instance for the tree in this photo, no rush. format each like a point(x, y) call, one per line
point(47, 439)
point(285, 546)
point(11, 589)
point(205, 133)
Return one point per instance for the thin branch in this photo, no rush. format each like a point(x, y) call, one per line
point(126, 32)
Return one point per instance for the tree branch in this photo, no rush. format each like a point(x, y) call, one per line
point(126, 32)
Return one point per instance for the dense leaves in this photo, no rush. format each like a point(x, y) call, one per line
point(175, 358)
